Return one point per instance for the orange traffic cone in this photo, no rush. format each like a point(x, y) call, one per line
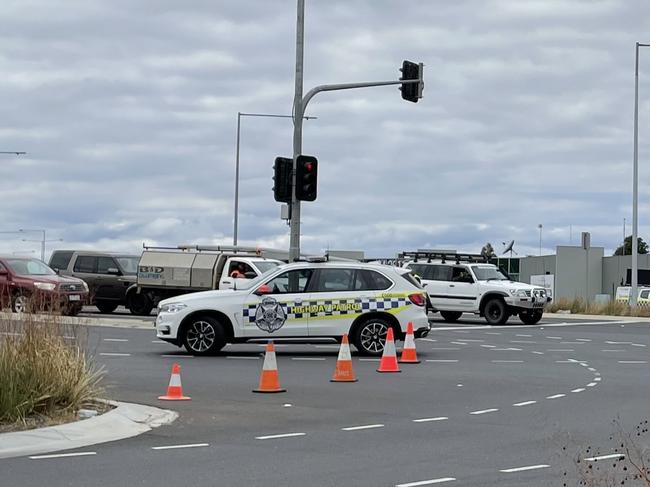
point(409, 354)
point(175, 389)
point(343, 371)
point(270, 379)
point(388, 361)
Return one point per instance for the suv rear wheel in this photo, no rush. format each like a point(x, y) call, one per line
point(204, 335)
point(451, 316)
point(496, 312)
point(370, 336)
point(106, 306)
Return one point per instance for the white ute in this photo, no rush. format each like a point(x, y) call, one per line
point(465, 283)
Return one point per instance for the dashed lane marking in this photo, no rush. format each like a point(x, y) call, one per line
point(171, 355)
point(524, 336)
point(458, 343)
point(509, 349)
point(632, 362)
point(492, 333)
point(445, 348)
point(612, 350)
point(428, 420)
point(556, 396)
point(605, 457)
point(637, 344)
point(583, 339)
point(555, 338)
point(489, 346)
point(525, 403)
point(538, 353)
point(572, 343)
point(364, 427)
point(308, 358)
point(116, 339)
point(107, 354)
point(523, 469)
point(507, 361)
point(242, 357)
point(442, 361)
point(484, 411)
point(284, 435)
point(475, 340)
point(580, 389)
point(64, 455)
point(560, 350)
point(522, 341)
point(175, 447)
point(596, 379)
point(159, 342)
point(427, 482)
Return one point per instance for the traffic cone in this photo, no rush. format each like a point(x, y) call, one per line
point(175, 389)
point(270, 379)
point(343, 371)
point(388, 361)
point(409, 354)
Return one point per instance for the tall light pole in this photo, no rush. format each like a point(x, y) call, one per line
point(635, 184)
point(540, 226)
point(239, 116)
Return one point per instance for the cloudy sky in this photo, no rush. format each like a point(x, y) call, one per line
point(128, 112)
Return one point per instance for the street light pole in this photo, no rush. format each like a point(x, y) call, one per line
point(635, 183)
point(239, 116)
point(540, 239)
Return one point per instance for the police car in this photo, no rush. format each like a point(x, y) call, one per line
point(305, 300)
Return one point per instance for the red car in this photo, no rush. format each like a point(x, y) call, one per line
point(29, 284)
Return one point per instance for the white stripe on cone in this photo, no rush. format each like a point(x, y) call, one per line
point(389, 349)
point(344, 352)
point(409, 342)
point(175, 380)
point(269, 361)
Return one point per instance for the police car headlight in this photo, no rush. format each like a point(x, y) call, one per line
point(520, 293)
point(172, 307)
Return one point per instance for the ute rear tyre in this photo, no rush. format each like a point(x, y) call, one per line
point(106, 307)
point(204, 335)
point(496, 312)
point(140, 304)
point(530, 317)
point(370, 336)
point(451, 316)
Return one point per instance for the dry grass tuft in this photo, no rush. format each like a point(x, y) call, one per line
point(612, 308)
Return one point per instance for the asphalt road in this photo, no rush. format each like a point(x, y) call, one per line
point(486, 407)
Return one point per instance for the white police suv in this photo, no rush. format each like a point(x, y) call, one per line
point(306, 300)
point(466, 283)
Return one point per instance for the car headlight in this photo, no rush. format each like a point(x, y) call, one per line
point(83, 283)
point(172, 307)
point(45, 286)
point(520, 293)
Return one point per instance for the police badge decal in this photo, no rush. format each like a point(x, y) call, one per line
point(269, 315)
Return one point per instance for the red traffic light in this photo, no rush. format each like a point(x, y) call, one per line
point(309, 167)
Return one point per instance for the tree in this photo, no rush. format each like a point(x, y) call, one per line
point(487, 251)
point(626, 249)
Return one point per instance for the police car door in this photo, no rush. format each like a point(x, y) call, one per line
point(336, 300)
point(278, 307)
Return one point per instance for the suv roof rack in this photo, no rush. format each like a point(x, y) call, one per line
point(444, 256)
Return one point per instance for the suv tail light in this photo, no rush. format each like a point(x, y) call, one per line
point(417, 299)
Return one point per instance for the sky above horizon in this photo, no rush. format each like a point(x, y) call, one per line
point(128, 110)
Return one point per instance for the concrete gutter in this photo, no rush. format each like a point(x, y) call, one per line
point(569, 316)
point(115, 322)
point(125, 421)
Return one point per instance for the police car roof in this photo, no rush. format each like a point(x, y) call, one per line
point(345, 264)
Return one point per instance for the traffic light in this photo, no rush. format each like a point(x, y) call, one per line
point(306, 178)
point(282, 171)
point(410, 71)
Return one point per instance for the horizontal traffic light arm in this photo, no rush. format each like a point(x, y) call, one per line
point(349, 86)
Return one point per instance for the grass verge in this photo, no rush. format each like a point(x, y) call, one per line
point(45, 375)
point(612, 308)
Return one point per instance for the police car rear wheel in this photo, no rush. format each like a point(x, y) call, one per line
point(370, 336)
point(204, 336)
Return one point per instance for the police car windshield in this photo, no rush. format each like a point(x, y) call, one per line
point(489, 273)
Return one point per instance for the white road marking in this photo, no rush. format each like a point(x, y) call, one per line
point(525, 336)
point(571, 343)
point(241, 357)
point(489, 346)
point(364, 427)
point(459, 385)
point(427, 482)
point(618, 350)
point(285, 435)
point(116, 339)
point(174, 447)
point(458, 343)
point(476, 340)
point(597, 379)
point(492, 333)
point(428, 339)
point(64, 455)
point(556, 396)
point(106, 354)
point(560, 350)
point(638, 345)
point(177, 356)
point(632, 362)
point(522, 341)
point(368, 360)
point(555, 338)
point(523, 469)
point(427, 420)
point(525, 403)
point(307, 358)
point(583, 339)
point(445, 348)
point(507, 361)
point(442, 361)
point(592, 384)
point(484, 411)
point(159, 342)
point(618, 343)
point(564, 362)
point(538, 353)
point(591, 369)
point(510, 349)
point(584, 364)
point(287, 405)
point(579, 389)
point(605, 457)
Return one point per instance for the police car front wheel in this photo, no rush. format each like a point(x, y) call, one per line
point(370, 336)
point(204, 335)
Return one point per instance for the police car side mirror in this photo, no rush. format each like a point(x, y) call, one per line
point(262, 290)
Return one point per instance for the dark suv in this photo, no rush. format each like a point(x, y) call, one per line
point(108, 275)
point(30, 285)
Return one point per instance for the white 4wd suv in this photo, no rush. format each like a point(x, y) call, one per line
point(463, 283)
point(307, 300)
